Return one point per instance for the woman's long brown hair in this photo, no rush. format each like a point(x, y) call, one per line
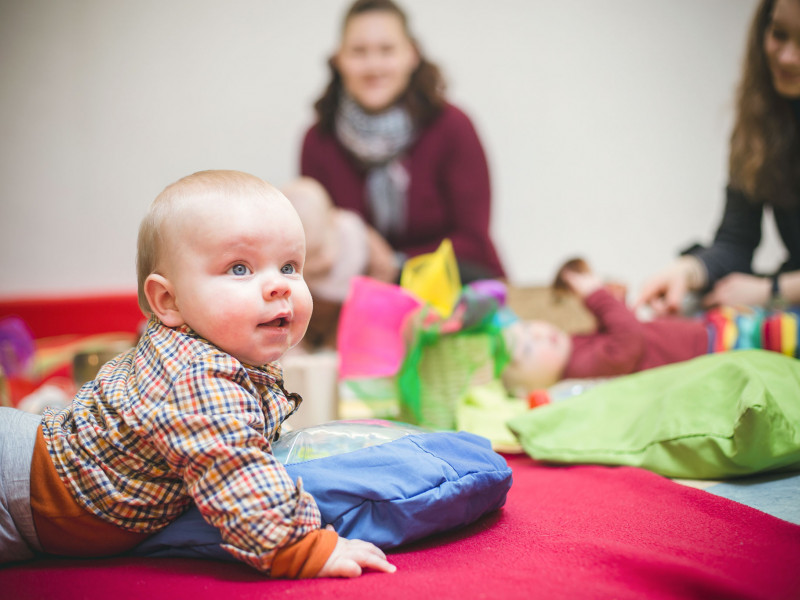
point(765, 152)
point(423, 98)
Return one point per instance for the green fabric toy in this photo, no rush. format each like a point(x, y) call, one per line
point(716, 416)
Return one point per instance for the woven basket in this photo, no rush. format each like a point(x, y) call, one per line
point(447, 370)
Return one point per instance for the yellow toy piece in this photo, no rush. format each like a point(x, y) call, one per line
point(788, 334)
point(434, 278)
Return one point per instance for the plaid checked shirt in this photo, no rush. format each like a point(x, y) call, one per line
point(176, 420)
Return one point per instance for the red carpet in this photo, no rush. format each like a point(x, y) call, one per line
point(572, 532)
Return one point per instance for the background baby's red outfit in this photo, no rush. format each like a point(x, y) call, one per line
point(622, 344)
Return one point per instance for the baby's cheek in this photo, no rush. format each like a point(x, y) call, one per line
point(301, 320)
point(226, 312)
point(229, 314)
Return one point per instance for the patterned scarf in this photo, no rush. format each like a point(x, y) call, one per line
point(379, 141)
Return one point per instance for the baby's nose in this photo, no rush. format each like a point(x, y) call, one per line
point(276, 287)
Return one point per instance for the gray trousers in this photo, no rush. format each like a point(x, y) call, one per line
point(18, 539)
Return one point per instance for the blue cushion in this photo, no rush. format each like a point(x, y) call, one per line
point(389, 494)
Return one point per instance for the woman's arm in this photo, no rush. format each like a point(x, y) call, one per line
point(466, 185)
point(451, 159)
point(736, 240)
point(789, 287)
point(752, 290)
point(312, 162)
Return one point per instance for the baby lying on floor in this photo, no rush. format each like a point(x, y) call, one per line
point(542, 354)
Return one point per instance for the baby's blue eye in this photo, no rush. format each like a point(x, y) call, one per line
point(239, 270)
point(287, 269)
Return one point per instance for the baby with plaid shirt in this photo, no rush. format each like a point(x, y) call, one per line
point(189, 414)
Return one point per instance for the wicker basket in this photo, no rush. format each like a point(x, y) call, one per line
point(447, 369)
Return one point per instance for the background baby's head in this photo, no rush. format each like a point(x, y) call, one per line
point(539, 351)
point(318, 215)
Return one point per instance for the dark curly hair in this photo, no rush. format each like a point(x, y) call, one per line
point(424, 96)
point(764, 158)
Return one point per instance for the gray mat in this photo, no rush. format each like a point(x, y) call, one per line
point(777, 494)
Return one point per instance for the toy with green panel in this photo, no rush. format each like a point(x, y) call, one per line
point(456, 342)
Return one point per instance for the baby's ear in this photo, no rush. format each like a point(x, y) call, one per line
point(161, 297)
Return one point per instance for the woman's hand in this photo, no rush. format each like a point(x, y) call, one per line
point(382, 263)
point(664, 292)
point(350, 557)
point(740, 288)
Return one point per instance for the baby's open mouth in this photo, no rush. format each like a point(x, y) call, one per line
point(279, 322)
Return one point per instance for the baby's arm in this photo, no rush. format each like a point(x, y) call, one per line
point(213, 433)
point(618, 345)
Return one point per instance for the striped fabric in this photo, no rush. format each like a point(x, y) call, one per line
point(176, 420)
point(743, 328)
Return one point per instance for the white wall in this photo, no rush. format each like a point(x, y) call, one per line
point(605, 121)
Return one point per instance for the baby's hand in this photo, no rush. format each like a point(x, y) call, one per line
point(578, 265)
point(581, 283)
point(350, 557)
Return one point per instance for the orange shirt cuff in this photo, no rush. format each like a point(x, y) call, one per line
point(305, 558)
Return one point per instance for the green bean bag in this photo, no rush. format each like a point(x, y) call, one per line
point(716, 416)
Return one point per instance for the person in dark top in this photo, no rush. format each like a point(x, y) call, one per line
point(764, 171)
point(390, 147)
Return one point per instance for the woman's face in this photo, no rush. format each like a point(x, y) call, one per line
point(782, 47)
point(376, 59)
